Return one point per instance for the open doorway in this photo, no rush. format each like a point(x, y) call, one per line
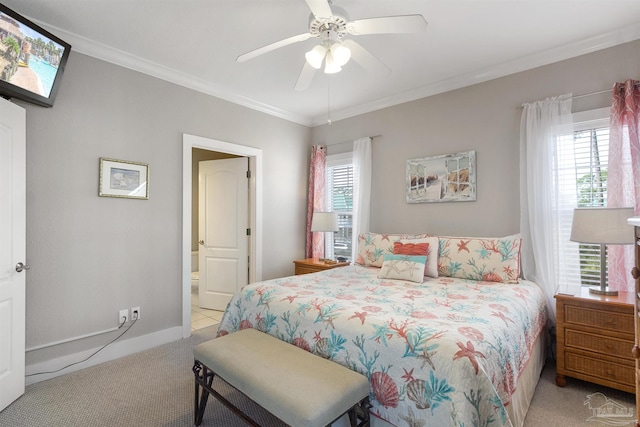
point(193, 147)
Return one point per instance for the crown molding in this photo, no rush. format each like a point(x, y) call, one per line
point(103, 52)
point(568, 51)
point(118, 57)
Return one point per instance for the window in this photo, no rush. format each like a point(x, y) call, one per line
point(581, 176)
point(339, 193)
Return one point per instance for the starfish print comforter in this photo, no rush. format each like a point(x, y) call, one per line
point(447, 351)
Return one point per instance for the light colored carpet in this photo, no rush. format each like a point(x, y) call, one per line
point(156, 387)
point(570, 406)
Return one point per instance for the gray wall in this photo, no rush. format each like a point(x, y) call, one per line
point(484, 117)
point(90, 255)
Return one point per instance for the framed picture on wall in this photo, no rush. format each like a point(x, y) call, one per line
point(446, 178)
point(121, 178)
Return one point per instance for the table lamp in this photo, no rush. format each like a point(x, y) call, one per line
point(324, 222)
point(603, 226)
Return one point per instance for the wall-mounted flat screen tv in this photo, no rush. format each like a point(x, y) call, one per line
point(32, 59)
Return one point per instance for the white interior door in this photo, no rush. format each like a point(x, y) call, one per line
point(223, 220)
point(12, 250)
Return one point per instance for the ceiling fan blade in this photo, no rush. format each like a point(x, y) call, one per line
point(305, 77)
point(363, 57)
point(320, 8)
point(388, 24)
point(273, 46)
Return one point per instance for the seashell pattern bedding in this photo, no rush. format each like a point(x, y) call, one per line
point(447, 351)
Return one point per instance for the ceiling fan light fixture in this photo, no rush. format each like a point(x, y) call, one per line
point(341, 54)
point(331, 66)
point(315, 56)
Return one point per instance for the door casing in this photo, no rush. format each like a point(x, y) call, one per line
point(189, 142)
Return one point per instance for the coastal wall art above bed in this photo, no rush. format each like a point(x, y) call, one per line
point(445, 178)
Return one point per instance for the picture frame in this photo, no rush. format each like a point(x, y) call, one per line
point(444, 178)
point(121, 178)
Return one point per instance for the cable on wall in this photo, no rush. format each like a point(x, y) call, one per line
point(93, 354)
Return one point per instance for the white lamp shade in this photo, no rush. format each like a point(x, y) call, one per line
point(341, 54)
point(602, 225)
point(315, 56)
point(324, 221)
point(331, 66)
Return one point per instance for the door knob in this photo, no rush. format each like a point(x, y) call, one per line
point(20, 267)
point(201, 242)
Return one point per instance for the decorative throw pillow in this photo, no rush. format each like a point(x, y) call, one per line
point(408, 248)
point(403, 267)
point(373, 246)
point(431, 268)
point(487, 259)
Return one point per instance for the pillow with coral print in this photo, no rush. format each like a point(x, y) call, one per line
point(431, 269)
point(373, 246)
point(403, 267)
point(485, 259)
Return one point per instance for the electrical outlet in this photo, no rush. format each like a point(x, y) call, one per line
point(135, 313)
point(123, 316)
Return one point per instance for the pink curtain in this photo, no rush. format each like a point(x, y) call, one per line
point(623, 187)
point(315, 199)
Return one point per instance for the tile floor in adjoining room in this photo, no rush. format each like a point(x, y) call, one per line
point(201, 317)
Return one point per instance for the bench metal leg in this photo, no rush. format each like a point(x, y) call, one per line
point(203, 381)
point(204, 378)
point(359, 414)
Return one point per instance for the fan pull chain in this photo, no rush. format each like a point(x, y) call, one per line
point(329, 101)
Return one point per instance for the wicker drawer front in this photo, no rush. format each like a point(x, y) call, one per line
point(597, 343)
point(599, 368)
point(614, 321)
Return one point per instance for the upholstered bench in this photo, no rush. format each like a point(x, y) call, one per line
point(298, 387)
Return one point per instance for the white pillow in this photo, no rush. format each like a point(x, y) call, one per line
point(403, 267)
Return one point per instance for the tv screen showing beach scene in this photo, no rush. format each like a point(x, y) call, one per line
point(31, 59)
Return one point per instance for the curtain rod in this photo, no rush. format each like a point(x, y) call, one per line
point(600, 91)
point(349, 142)
point(583, 95)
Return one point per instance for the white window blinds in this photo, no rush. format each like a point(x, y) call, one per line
point(581, 176)
point(339, 192)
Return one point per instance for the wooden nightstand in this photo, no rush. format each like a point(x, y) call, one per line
point(313, 265)
point(594, 338)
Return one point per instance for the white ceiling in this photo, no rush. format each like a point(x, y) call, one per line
point(195, 43)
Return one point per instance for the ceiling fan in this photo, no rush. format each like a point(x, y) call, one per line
point(330, 24)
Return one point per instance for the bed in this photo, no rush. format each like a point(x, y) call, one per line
point(450, 347)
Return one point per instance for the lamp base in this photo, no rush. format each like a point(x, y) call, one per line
point(600, 291)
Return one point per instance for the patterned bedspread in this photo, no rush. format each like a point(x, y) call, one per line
point(443, 352)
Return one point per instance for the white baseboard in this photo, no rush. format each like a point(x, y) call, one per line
point(111, 352)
